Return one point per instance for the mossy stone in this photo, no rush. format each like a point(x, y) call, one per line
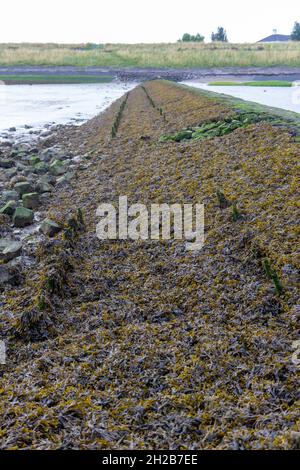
point(9, 208)
point(23, 217)
point(31, 200)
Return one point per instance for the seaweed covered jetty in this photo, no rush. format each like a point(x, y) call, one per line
point(142, 344)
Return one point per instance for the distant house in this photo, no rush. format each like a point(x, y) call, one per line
point(276, 37)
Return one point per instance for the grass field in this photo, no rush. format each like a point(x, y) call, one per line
point(155, 55)
point(272, 83)
point(53, 79)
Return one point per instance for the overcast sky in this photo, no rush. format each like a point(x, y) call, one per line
point(133, 21)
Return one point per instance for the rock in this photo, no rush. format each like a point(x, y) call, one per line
point(48, 141)
point(5, 276)
point(50, 228)
point(77, 159)
point(31, 200)
point(47, 179)
point(6, 163)
point(12, 129)
point(45, 133)
point(20, 166)
point(64, 157)
point(34, 160)
point(23, 147)
point(22, 217)
point(10, 195)
point(17, 179)
point(47, 154)
point(31, 179)
point(43, 187)
point(28, 171)
point(9, 249)
point(14, 153)
point(9, 208)
point(57, 168)
point(8, 275)
point(23, 188)
point(10, 173)
point(65, 178)
point(40, 168)
point(6, 143)
point(61, 181)
point(44, 197)
point(70, 175)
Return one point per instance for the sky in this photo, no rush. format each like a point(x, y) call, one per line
point(134, 21)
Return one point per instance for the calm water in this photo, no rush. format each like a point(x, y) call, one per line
point(37, 105)
point(277, 97)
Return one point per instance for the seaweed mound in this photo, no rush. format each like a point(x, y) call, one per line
point(142, 344)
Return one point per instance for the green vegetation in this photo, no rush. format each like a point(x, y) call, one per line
point(149, 97)
point(269, 83)
point(59, 79)
point(222, 199)
point(280, 117)
point(295, 36)
point(183, 54)
point(273, 276)
point(160, 110)
point(219, 128)
point(191, 38)
point(118, 118)
point(220, 35)
point(236, 215)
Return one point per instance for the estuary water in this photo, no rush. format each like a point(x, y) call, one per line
point(277, 97)
point(31, 107)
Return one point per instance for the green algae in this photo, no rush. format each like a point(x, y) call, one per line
point(213, 129)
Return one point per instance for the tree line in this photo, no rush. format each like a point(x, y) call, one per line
point(221, 35)
point(295, 36)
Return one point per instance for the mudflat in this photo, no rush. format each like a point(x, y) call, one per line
point(85, 74)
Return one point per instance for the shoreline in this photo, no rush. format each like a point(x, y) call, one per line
point(151, 73)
